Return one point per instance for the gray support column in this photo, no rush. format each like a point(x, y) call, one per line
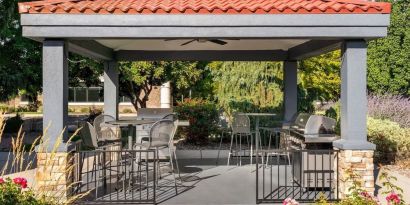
point(111, 88)
point(55, 90)
point(290, 101)
point(353, 97)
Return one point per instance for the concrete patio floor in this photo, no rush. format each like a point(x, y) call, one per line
point(205, 183)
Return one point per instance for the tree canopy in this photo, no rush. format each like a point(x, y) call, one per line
point(20, 59)
point(389, 57)
point(247, 86)
point(319, 80)
point(138, 78)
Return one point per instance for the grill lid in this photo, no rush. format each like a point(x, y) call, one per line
point(308, 124)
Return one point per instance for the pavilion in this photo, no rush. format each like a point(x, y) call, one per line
point(220, 30)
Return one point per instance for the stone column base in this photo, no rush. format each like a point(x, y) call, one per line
point(360, 163)
point(54, 175)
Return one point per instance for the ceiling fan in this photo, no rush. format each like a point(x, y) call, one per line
point(202, 40)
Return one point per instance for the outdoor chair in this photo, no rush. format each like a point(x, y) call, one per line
point(274, 132)
point(105, 131)
point(283, 148)
point(170, 116)
point(241, 127)
point(174, 118)
point(142, 131)
point(90, 141)
point(161, 137)
point(224, 128)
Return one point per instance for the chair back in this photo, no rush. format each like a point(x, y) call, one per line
point(89, 136)
point(241, 124)
point(170, 116)
point(162, 133)
point(100, 120)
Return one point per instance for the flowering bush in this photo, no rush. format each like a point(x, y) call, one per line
point(202, 116)
point(359, 196)
point(393, 107)
point(15, 192)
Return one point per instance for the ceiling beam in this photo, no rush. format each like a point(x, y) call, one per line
point(313, 48)
point(207, 55)
point(91, 49)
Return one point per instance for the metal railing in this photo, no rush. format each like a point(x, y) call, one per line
point(303, 175)
point(123, 176)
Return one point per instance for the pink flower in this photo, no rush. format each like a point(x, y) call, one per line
point(290, 201)
point(1, 180)
point(20, 181)
point(393, 198)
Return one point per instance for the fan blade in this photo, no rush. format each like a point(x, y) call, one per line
point(188, 42)
point(218, 42)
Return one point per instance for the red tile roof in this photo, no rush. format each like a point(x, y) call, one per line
point(203, 6)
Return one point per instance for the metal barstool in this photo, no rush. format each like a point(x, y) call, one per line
point(161, 137)
point(224, 128)
point(241, 127)
point(283, 147)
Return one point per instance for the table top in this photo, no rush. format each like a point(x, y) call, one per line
point(183, 123)
point(142, 122)
point(130, 122)
point(259, 114)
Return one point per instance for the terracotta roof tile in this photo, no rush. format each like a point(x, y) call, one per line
point(203, 6)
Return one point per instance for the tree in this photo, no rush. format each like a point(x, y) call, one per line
point(319, 80)
point(388, 58)
point(248, 86)
point(138, 78)
point(84, 71)
point(20, 59)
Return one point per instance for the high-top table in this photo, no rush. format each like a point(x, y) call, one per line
point(257, 119)
point(130, 124)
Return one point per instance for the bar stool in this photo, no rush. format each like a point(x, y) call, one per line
point(283, 147)
point(224, 128)
point(241, 127)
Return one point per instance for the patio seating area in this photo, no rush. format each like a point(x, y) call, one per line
point(302, 156)
point(202, 182)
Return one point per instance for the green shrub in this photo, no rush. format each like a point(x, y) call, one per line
point(84, 110)
point(392, 141)
point(126, 110)
point(334, 112)
point(6, 108)
point(13, 124)
point(202, 116)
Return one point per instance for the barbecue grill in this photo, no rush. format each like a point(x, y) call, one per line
point(315, 134)
point(313, 131)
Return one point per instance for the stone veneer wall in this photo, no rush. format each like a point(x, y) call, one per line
point(54, 174)
point(360, 162)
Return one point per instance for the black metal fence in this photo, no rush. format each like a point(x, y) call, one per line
point(124, 176)
point(303, 175)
